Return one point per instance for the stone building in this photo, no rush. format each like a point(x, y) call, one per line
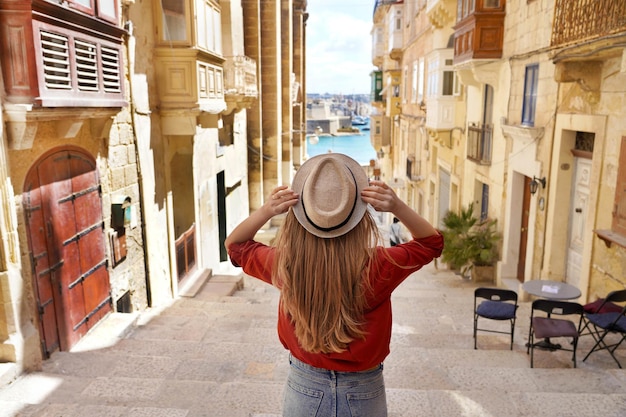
point(136, 134)
point(537, 132)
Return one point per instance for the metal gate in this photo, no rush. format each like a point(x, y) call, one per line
point(63, 210)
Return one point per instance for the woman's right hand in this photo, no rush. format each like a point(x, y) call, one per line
point(280, 199)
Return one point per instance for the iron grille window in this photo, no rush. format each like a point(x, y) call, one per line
point(479, 139)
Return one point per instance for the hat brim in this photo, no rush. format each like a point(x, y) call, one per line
point(361, 181)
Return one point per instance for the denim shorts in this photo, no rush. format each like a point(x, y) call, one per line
point(315, 392)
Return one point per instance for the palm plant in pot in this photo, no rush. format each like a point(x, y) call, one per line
point(470, 246)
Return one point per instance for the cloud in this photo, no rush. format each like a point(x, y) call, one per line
point(339, 46)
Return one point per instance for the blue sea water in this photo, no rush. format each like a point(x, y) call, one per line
point(356, 146)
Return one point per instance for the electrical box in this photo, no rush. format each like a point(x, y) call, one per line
point(118, 245)
point(120, 212)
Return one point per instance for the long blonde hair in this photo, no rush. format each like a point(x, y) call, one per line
point(324, 282)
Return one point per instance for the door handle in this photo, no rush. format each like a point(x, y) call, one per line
point(578, 210)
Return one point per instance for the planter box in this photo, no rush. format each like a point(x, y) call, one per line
point(484, 273)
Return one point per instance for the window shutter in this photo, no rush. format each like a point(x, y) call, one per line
point(56, 61)
point(111, 70)
point(86, 65)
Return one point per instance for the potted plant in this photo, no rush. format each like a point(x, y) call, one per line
point(470, 246)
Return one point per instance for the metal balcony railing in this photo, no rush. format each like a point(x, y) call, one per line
point(577, 20)
point(479, 140)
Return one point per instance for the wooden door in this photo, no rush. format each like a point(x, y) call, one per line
point(63, 209)
point(577, 215)
point(523, 236)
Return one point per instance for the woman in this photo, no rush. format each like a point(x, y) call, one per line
point(335, 282)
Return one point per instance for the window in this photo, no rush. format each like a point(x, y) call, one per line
point(530, 95)
point(442, 81)
point(209, 27)
point(448, 83)
point(174, 20)
point(484, 202)
point(420, 81)
point(480, 136)
point(619, 217)
point(406, 84)
point(77, 69)
point(414, 84)
point(465, 8)
point(103, 9)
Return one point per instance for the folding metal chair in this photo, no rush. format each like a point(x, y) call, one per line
point(548, 327)
point(603, 325)
point(603, 305)
point(497, 304)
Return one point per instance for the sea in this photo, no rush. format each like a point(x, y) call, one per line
point(356, 146)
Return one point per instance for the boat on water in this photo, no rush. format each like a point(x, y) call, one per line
point(360, 120)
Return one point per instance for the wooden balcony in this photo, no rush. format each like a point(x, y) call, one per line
point(55, 57)
point(480, 34)
point(576, 21)
point(240, 82)
point(189, 80)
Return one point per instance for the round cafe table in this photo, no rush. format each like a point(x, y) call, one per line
point(551, 290)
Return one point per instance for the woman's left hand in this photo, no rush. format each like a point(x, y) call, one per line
point(380, 196)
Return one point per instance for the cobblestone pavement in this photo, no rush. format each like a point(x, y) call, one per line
point(211, 355)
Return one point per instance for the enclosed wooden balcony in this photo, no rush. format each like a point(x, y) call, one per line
point(479, 31)
point(190, 80)
point(56, 57)
point(60, 66)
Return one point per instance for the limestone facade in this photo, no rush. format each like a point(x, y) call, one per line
point(539, 101)
point(206, 120)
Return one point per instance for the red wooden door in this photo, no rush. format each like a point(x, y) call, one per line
point(63, 208)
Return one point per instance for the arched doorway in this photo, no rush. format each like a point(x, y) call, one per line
point(63, 211)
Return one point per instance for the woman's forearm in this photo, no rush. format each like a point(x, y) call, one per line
point(278, 202)
point(416, 224)
point(247, 229)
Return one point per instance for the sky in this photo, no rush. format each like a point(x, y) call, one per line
point(339, 46)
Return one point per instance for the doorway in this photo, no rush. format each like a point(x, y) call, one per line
point(523, 235)
point(63, 211)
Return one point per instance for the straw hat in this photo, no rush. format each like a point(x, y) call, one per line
point(330, 188)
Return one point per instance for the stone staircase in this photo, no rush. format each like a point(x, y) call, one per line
point(220, 356)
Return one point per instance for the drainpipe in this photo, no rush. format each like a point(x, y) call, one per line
point(130, 46)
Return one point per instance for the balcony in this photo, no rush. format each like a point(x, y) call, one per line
point(479, 33)
point(479, 141)
point(240, 82)
point(440, 12)
point(61, 66)
point(413, 168)
point(395, 45)
point(582, 20)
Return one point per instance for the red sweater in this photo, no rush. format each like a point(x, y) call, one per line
point(257, 260)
